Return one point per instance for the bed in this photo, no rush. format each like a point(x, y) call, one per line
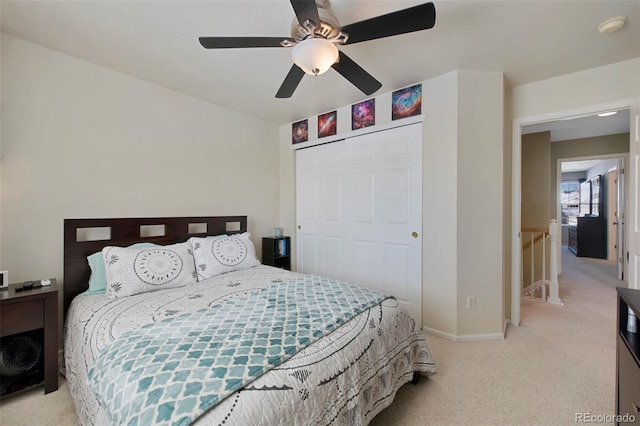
point(344, 375)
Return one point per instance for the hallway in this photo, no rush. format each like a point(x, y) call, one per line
point(584, 277)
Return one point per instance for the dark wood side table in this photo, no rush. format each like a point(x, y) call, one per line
point(276, 251)
point(27, 310)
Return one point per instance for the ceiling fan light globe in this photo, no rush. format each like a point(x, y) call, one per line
point(315, 55)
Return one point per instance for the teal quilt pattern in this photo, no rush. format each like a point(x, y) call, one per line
point(170, 372)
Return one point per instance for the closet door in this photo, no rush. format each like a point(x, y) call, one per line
point(359, 212)
point(320, 175)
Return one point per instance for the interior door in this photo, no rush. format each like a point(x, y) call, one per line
point(386, 170)
point(319, 210)
point(359, 212)
point(633, 182)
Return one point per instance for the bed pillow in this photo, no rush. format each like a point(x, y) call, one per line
point(98, 277)
point(138, 270)
point(221, 254)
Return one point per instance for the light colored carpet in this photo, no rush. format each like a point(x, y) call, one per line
point(560, 361)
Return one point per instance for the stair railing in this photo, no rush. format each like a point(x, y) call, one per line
point(538, 236)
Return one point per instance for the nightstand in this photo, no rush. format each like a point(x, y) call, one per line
point(276, 251)
point(33, 311)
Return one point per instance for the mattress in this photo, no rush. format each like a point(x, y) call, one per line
point(347, 377)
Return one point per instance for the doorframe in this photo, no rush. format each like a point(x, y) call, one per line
point(613, 245)
point(516, 181)
point(620, 206)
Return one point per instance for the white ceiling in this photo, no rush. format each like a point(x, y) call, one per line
point(157, 41)
point(583, 127)
point(578, 166)
point(586, 126)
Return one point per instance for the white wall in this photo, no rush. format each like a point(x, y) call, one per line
point(480, 203)
point(80, 141)
point(287, 200)
point(590, 87)
point(440, 204)
point(602, 168)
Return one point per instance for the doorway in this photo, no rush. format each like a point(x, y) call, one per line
point(604, 204)
point(519, 125)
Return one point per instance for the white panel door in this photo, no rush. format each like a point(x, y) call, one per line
point(319, 211)
point(359, 212)
point(387, 213)
point(634, 197)
point(308, 188)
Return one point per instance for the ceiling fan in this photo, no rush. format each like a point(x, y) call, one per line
point(315, 34)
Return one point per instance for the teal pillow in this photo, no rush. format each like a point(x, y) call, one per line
point(98, 278)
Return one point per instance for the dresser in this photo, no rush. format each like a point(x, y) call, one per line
point(572, 243)
point(627, 359)
point(588, 238)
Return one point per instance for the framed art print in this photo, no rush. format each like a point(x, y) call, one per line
point(300, 131)
point(406, 102)
point(327, 124)
point(363, 114)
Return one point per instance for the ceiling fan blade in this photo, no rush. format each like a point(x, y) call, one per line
point(417, 18)
point(306, 10)
point(356, 75)
point(290, 82)
point(240, 42)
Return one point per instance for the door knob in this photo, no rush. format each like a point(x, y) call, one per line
point(414, 234)
point(299, 227)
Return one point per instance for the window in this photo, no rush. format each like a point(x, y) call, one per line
point(569, 201)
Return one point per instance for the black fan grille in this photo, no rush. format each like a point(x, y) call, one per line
point(20, 355)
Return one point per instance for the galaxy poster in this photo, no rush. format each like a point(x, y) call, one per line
point(327, 124)
point(363, 114)
point(300, 131)
point(406, 102)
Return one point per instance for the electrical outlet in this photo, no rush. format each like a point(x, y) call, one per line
point(471, 302)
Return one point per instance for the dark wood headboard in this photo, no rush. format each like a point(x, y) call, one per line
point(126, 231)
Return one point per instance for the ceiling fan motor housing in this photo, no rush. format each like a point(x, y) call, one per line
point(328, 27)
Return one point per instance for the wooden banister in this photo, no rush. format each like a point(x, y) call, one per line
point(544, 229)
point(535, 240)
point(537, 234)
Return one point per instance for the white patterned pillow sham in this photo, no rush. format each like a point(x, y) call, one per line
point(98, 277)
point(138, 270)
point(221, 254)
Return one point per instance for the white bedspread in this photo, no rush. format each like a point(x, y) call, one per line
point(347, 377)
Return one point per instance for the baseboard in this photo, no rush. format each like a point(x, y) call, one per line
point(480, 337)
point(465, 337)
point(439, 333)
